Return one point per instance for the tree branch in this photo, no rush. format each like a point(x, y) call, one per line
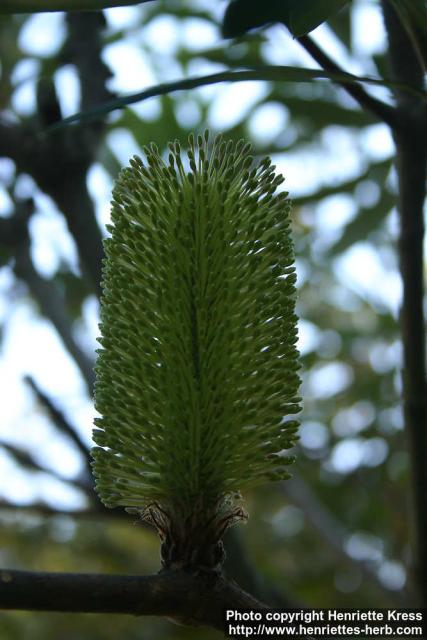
point(189, 599)
point(334, 534)
point(83, 48)
point(410, 139)
point(59, 162)
point(59, 165)
point(238, 564)
point(52, 306)
point(14, 237)
point(380, 109)
point(27, 461)
point(60, 421)
point(44, 510)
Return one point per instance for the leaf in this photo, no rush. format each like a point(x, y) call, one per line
point(300, 16)
point(268, 72)
point(340, 23)
point(413, 15)
point(306, 15)
point(243, 15)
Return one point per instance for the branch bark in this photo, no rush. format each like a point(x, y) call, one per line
point(189, 599)
point(410, 139)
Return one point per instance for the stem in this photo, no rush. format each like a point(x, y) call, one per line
point(410, 140)
point(380, 109)
point(190, 599)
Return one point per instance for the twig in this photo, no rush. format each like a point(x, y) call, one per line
point(60, 421)
point(25, 459)
point(14, 237)
point(93, 512)
point(44, 510)
point(52, 306)
point(333, 532)
point(238, 564)
point(59, 163)
point(380, 109)
point(83, 48)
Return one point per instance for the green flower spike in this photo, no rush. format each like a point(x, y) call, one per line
point(198, 367)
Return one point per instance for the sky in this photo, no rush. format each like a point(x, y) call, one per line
point(30, 346)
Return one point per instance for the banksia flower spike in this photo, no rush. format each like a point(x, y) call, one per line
point(198, 367)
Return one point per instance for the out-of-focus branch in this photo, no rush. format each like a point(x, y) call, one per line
point(44, 510)
point(83, 48)
point(59, 420)
point(333, 532)
point(11, 139)
point(94, 512)
point(14, 236)
point(189, 599)
point(52, 306)
point(410, 139)
point(238, 565)
point(380, 109)
point(85, 481)
point(59, 162)
point(26, 460)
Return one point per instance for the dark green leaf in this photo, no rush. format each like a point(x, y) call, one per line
point(300, 16)
point(243, 15)
point(306, 15)
point(340, 23)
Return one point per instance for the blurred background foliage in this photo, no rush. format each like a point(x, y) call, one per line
point(337, 533)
